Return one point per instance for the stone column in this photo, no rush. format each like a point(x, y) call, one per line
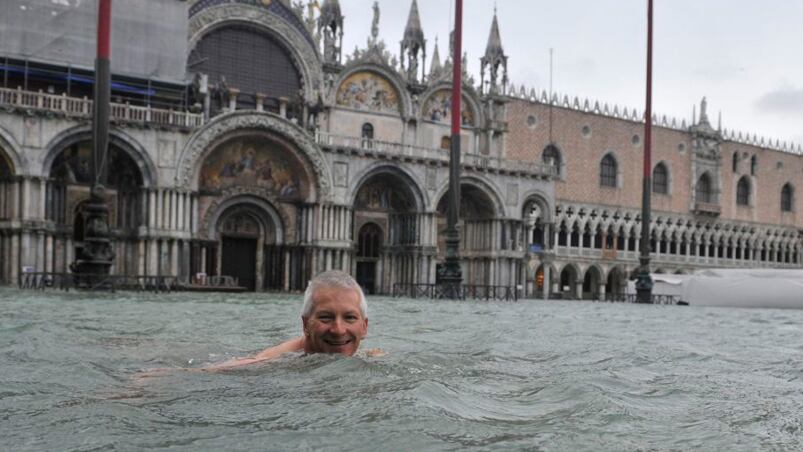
point(547, 280)
point(260, 99)
point(283, 101)
point(233, 93)
point(602, 287)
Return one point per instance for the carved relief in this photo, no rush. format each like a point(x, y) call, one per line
point(512, 194)
point(432, 178)
point(167, 153)
point(341, 174)
point(285, 211)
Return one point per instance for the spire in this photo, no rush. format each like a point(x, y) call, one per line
point(435, 66)
point(494, 48)
point(412, 43)
point(412, 32)
point(494, 57)
point(330, 25)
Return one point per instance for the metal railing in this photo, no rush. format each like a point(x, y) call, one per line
point(467, 291)
point(82, 107)
point(67, 281)
point(632, 298)
point(395, 149)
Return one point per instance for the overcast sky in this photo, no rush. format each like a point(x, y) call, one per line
point(743, 55)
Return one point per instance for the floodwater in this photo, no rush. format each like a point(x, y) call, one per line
point(531, 375)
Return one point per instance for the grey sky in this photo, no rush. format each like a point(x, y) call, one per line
point(742, 54)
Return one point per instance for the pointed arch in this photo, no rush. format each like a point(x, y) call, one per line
point(703, 190)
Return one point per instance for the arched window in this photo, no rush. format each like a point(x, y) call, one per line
point(704, 192)
point(367, 131)
point(787, 198)
point(367, 135)
point(246, 58)
point(660, 179)
point(736, 161)
point(551, 156)
point(607, 171)
point(753, 165)
point(743, 192)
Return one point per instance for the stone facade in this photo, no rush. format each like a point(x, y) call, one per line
point(351, 172)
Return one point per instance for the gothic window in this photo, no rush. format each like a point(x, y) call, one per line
point(704, 192)
point(735, 161)
point(607, 171)
point(660, 179)
point(743, 192)
point(787, 198)
point(753, 165)
point(551, 156)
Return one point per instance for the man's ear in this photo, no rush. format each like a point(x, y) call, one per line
point(365, 326)
point(304, 325)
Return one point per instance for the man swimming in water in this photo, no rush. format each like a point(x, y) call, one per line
point(334, 317)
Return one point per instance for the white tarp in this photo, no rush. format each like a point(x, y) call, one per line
point(149, 37)
point(745, 288)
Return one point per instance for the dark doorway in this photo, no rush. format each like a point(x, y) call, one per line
point(239, 260)
point(366, 276)
point(369, 243)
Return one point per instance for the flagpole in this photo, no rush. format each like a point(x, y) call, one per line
point(644, 280)
point(449, 275)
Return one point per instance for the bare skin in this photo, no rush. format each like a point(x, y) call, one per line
point(335, 325)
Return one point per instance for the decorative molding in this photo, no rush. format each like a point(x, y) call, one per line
point(255, 196)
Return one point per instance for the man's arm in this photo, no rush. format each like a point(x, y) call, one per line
point(293, 345)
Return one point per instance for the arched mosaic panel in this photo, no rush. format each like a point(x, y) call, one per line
point(439, 108)
point(255, 162)
point(365, 90)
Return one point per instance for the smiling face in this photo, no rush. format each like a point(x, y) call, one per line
point(336, 324)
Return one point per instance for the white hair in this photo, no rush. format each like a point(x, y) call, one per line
point(332, 278)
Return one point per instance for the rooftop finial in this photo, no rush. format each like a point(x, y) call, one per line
point(494, 56)
point(412, 43)
point(375, 23)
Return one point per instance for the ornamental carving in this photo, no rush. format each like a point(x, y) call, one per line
point(304, 55)
point(210, 135)
point(230, 195)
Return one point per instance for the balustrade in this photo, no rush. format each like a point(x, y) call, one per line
point(73, 106)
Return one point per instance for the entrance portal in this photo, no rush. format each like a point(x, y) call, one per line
point(239, 260)
point(368, 250)
point(366, 276)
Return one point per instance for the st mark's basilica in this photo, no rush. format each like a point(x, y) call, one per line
point(275, 154)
